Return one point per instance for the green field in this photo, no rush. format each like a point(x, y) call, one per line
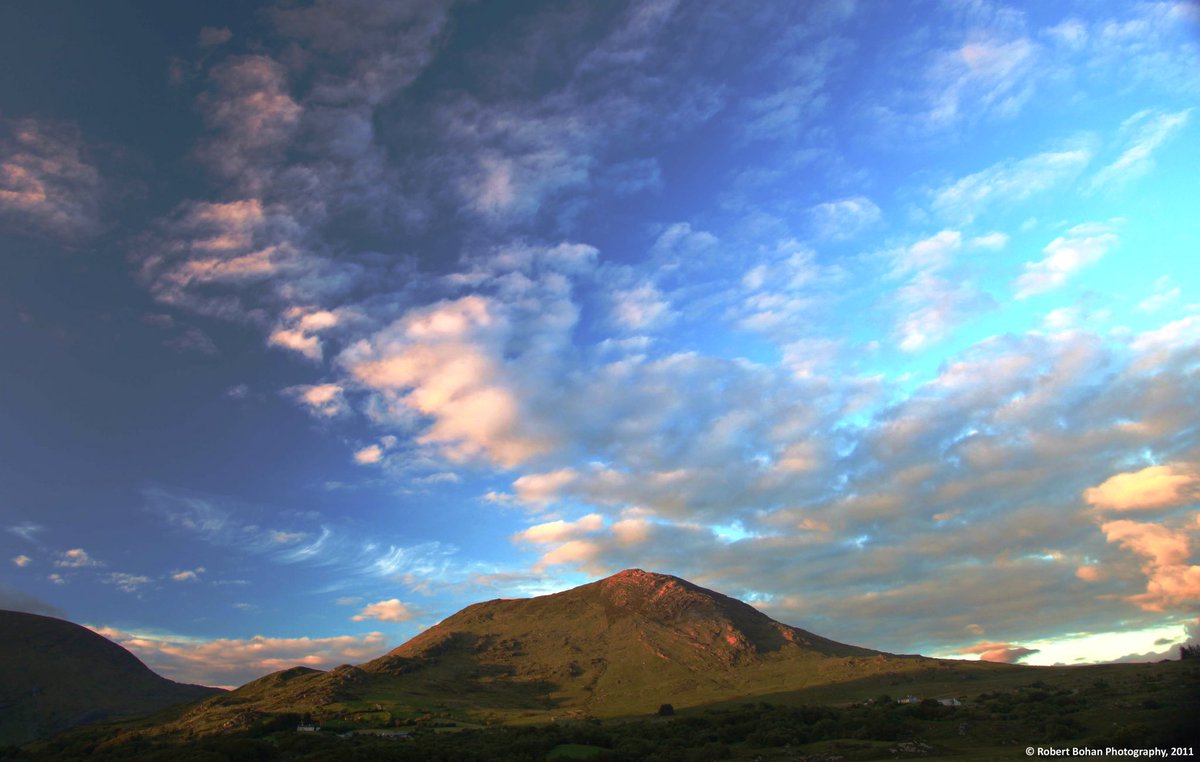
point(1003, 711)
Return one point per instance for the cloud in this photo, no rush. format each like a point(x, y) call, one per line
point(1163, 295)
point(1152, 488)
point(125, 582)
point(385, 611)
point(22, 560)
point(640, 308)
point(188, 575)
point(933, 307)
point(226, 523)
point(48, 183)
point(1081, 246)
point(233, 662)
point(930, 254)
point(251, 116)
point(1003, 653)
point(558, 531)
point(323, 400)
point(985, 74)
point(1171, 581)
point(1158, 543)
point(75, 558)
point(936, 298)
point(1147, 131)
point(368, 455)
point(211, 36)
point(845, 218)
point(26, 530)
point(1009, 182)
point(444, 362)
point(301, 328)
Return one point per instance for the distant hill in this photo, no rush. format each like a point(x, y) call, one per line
point(55, 674)
point(621, 646)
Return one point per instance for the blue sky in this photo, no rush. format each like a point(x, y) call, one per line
point(322, 320)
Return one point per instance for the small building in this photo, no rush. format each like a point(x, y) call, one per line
point(950, 702)
point(908, 700)
point(309, 728)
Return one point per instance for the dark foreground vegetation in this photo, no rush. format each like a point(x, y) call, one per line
point(1155, 707)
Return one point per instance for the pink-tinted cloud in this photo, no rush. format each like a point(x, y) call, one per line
point(48, 185)
point(559, 531)
point(300, 330)
point(580, 553)
point(188, 575)
point(368, 455)
point(1003, 653)
point(252, 115)
point(444, 363)
point(385, 611)
point(1151, 488)
point(1163, 546)
point(1171, 581)
point(322, 400)
point(233, 662)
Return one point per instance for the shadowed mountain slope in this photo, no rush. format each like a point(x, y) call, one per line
point(621, 646)
point(55, 674)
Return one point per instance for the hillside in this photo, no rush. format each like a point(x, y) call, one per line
point(621, 646)
point(55, 674)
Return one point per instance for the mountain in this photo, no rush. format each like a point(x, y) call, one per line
point(621, 646)
point(55, 674)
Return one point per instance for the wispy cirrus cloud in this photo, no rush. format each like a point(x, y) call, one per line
point(1146, 131)
point(27, 531)
point(1011, 181)
point(846, 217)
point(1079, 247)
point(228, 524)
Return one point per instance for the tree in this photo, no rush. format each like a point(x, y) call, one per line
point(666, 710)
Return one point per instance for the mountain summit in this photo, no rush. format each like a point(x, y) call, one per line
point(633, 617)
point(623, 645)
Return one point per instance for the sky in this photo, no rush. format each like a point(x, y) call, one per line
point(322, 320)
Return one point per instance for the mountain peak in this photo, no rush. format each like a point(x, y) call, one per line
point(639, 577)
point(619, 645)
